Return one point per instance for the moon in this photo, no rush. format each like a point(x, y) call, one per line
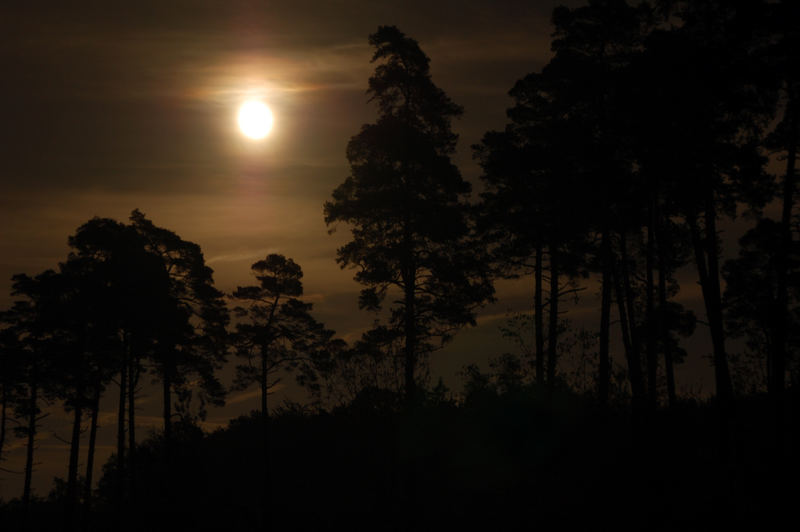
point(255, 119)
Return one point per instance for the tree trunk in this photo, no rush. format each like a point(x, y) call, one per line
point(408, 273)
point(32, 404)
point(266, 483)
point(264, 406)
point(552, 337)
point(634, 364)
point(713, 306)
point(662, 323)
point(265, 463)
point(132, 379)
point(411, 336)
point(87, 488)
point(538, 311)
point(630, 303)
point(3, 419)
point(604, 372)
point(652, 359)
point(167, 398)
point(123, 386)
point(264, 383)
point(778, 370)
point(72, 472)
point(409, 279)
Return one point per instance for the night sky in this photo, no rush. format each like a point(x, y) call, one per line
point(108, 108)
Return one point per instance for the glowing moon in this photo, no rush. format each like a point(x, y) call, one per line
point(255, 119)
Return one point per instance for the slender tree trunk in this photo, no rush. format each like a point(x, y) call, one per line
point(634, 364)
point(123, 386)
point(778, 370)
point(3, 419)
point(604, 373)
point(662, 321)
point(538, 311)
point(264, 384)
point(267, 480)
point(411, 336)
point(32, 407)
point(699, 255)
point(650, 325)
point(132, 379)
point(167, 398)
point(713, 306)
point(663, 332)
point(630, 302)
point(552, 337)
point(72, 472)
point(409, 279)
point(266, 484)
point(87, 488)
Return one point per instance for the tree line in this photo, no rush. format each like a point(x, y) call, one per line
point(650, 125)
point(134, 301)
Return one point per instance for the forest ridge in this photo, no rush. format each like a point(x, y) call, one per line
point(650, 125)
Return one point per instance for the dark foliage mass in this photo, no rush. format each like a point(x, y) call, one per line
point(649, 127)
point(527, 457)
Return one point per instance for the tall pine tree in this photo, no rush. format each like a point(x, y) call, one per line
point(406, 205)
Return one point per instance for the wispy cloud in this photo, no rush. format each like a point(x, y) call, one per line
point(237, 256)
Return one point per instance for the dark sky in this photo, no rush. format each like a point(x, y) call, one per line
point(108, 108)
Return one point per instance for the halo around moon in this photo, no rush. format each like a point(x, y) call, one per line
point(255, 119)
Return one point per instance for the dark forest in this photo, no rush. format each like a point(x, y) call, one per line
point(652, 126)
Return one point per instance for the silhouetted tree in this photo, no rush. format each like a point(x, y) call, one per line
point(279, 332)
point(782, 53)
point(534, 182)
point(122, 286)
point(713, 137)
point(556, 175)
point(512, 221)
point(11, 353)
point(142, 295)
point(68, 320)
point(114, 281)
point(341, 374)
point(82, 322)
point(406, 205)
point(190, 336)
point(752, 295)
point(672, 253)
point(595, 46)
point(31, 320)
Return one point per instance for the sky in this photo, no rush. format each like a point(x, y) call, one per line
point(108, 109)
point(121, 105)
